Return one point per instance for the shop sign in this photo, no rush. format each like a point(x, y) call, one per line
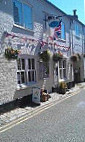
point(36, 95)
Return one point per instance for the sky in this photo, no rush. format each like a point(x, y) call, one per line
point(69, 5)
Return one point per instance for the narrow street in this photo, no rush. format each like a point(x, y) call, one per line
point(63, 122)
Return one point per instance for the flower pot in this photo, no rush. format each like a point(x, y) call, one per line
point(44, 98)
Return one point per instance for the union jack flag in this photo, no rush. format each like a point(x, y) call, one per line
point(57, 31)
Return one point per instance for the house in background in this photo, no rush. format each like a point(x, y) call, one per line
point(77, 34)
point(28, 29)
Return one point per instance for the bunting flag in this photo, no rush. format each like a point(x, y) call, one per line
point(42, 43)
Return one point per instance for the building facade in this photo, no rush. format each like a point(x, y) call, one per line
point(28, 31)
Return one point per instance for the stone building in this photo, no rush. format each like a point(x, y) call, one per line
point(28, 29)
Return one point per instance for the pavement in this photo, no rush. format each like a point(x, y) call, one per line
point(18, 113)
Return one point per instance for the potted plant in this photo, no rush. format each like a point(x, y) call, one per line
point(11, 53)
point(62, 87)
point(57, 56)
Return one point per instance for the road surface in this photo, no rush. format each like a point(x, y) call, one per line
point(63, 122)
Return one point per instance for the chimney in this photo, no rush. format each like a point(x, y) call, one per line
point(74, 14)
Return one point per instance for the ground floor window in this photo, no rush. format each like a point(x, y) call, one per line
point(26, 71)
point(62, 69)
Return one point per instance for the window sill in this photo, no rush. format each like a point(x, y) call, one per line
point(24, 86)
point(21, 27)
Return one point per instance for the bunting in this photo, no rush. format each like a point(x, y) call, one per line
point(42, 43)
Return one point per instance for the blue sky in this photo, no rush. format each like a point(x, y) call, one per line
point(68, 5)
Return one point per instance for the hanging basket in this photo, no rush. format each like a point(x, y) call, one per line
point(57, 57)
point(10, 53)
point(45, 56)
point(75, 57)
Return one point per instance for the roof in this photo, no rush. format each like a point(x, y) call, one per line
point(69, 16)
point(76, 19)
point(55, 7)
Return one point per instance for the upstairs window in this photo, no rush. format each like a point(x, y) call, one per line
point(77, 29)
point(22, 14)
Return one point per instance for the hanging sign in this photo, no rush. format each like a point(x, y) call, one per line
point(54, 24)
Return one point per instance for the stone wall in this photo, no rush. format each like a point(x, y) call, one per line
point(7, 80)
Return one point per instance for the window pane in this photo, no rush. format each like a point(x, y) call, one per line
point(60, 73)
point(33, 76)
point(33, 64)
point(60, 64)
point(77, 29)
point(64, 64)
point(22, 77)
point(27, 16)
point(17, 10)
point(29, 63)
point(64, 73)
point(63, 31)
point(18, 64)
point(18, 77)
point(29, 76)
point(23, 64)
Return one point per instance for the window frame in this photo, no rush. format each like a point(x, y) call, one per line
point(23, 26)
point(62, 69)
point(26, 78)
point(77, 29)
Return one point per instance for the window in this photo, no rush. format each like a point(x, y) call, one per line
point(21, 76)
point(22, 14)
point(62, 68)
point(77, 30)
point(26, 72)
point(31, 70)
